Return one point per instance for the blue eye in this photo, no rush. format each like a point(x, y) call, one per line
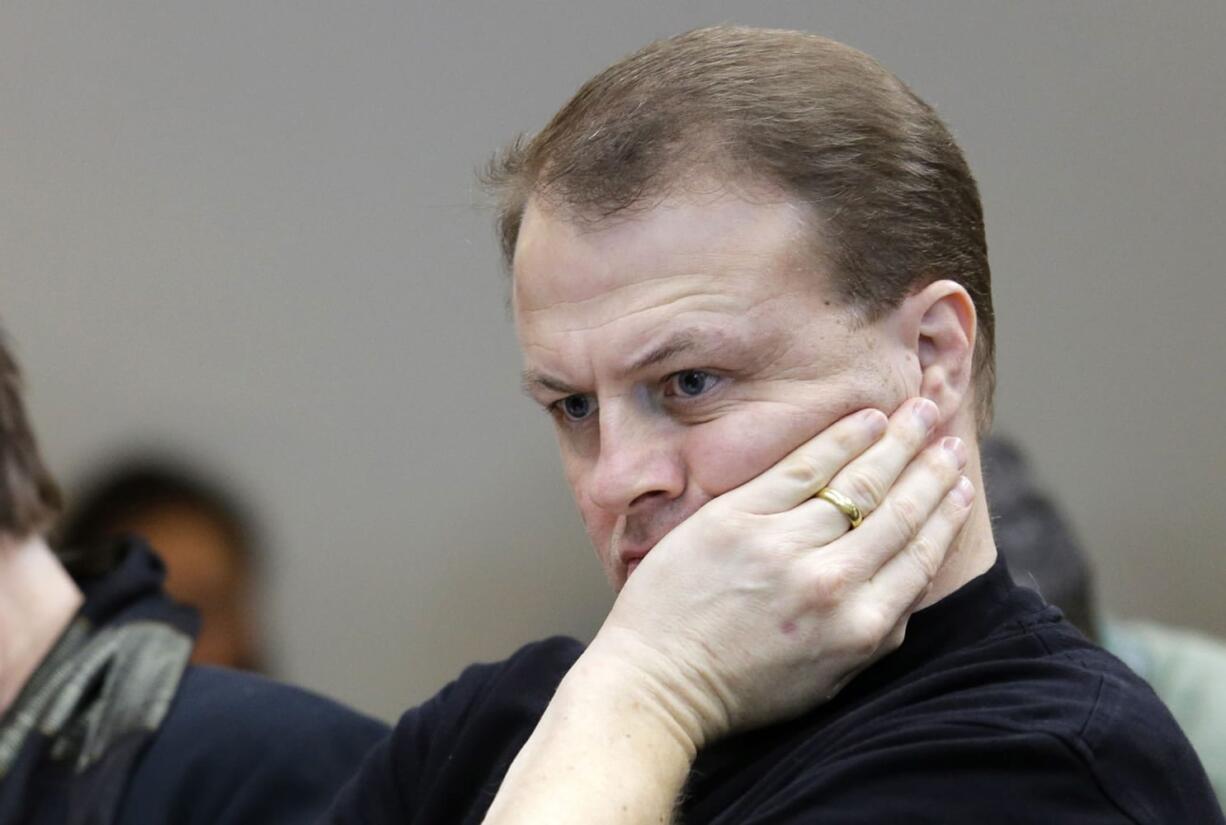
point(577, 407)
point(692, 383)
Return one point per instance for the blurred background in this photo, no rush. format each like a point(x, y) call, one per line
point(247, 235)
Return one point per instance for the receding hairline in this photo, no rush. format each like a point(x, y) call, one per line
point(812, 243)
point(521, 171)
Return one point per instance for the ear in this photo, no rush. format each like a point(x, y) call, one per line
point(938, 323)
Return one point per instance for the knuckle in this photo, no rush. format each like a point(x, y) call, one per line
point(860, 644)
point(952, 510)
point(864, 488)
point(906, 513)
point(867, 631)
point(731, 528)
point(797, 540)
point(737, 521)
point(805, 469)
point(896, 637)
point(938, 464)
point(927, 555)
point(846, 439)
point(828, 585)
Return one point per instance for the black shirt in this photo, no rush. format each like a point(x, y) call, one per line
point(993, 710)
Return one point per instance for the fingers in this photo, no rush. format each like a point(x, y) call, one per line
point(866, 479)
point(812, 525)
point(907, 523)
point(903, 581)
point(807, 469)
point(898, 634)
point(909, 505)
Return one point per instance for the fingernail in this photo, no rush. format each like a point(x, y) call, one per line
point(964, 491)
point(956, 450)
point(926, 412)
point(875, 421)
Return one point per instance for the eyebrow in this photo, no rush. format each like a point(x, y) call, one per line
point(676, 344)
point(533, 380)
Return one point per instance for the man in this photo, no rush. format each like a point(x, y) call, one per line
point(102, 720)
point(723, 243)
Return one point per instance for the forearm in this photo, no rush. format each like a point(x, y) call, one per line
point(607, 751)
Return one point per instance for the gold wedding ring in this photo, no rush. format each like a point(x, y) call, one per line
point(844, 505)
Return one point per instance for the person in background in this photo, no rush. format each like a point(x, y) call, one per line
point(204, 535)
point(1186, 668)
point(103, 721)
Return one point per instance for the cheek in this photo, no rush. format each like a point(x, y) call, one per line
point(598, 522)
point(731, 450)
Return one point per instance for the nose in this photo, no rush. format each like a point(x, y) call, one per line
point(640, 462)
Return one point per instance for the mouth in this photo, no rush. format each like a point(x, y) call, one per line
point(631, 557)
point(634, 538)
point(632, 541)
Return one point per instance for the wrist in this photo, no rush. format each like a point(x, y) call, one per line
point(644, 684)
point(605, 751)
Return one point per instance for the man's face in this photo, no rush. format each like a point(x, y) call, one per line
point(682, 351)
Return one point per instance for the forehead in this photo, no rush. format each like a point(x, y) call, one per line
point(724, 243)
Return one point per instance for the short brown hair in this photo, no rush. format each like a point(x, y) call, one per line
point(827, 124)
point(29, 497)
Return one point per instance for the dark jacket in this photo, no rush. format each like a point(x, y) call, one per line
point(116, 728)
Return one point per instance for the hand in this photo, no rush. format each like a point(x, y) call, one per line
point(764, 603)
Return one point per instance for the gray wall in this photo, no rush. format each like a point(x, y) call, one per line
point(250, 230)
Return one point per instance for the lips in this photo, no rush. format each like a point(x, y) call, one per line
point(636, 539)
point(632, 556)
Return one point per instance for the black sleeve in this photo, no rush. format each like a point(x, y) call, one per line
point(445, 759)
point(390, 781)
point(238, 749)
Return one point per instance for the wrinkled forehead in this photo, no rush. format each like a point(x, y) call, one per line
point(681, 244)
